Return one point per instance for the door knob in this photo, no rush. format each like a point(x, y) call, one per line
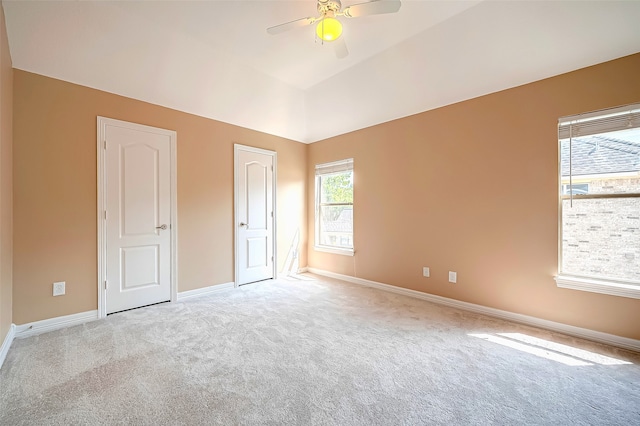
point(244, 224)
point(163, 227)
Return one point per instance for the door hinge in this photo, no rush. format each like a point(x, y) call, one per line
point(272, 258)
point(105, 215)
point(272, 167)
point(106, 284)
point(105, 144)
point(271, 214)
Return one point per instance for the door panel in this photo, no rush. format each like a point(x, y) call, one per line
point(138, 200)
point(139, 203)
point(257, 252)
point(255, 195)
point(140, 266)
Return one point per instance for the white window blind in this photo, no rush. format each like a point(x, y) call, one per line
point(335, 167)
point(609, 120)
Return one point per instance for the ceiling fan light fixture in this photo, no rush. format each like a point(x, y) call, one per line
point(329, 29)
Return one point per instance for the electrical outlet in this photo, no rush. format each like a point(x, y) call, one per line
point(58, 288)
point(425, 271)
point(453, 277)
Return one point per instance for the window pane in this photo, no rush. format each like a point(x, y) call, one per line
point(336, 226)
point(607, 163)
point(336, 188)
point(601, 238)
point(575, 189)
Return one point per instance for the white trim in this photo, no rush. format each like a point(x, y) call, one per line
point(6, 344)
point(173, 148)
point(596, 336)
point(183, 295)
point(39, 327)
point(602, 176)
point(592, 285)
point(303, 270)
point(238, 147)
point(102, 122)
point(335, 250)
point(102, 229)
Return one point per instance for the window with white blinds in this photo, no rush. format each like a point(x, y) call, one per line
point(599, 191)
point(334, 207)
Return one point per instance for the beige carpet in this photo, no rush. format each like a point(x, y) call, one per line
point(315, 352)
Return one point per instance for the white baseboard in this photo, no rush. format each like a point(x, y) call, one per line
point(39, 327)
point(303, 270)
point(205, 290)
point(596, 336)
point(6, 344)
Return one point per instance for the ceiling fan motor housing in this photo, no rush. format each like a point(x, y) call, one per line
point(325, 6)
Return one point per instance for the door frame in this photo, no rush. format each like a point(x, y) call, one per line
point(102, 122)
point(236, 169)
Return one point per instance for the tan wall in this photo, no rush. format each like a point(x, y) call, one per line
point(55, 192)
point(472, 188)
point(6, 189)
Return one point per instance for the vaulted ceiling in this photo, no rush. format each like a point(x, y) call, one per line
point(215, 58)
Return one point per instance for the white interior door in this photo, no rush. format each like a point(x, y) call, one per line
point(254, 214)
point(137, 215)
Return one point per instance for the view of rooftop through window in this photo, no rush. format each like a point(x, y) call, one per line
point(600, 189)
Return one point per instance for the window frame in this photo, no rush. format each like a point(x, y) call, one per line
point(327, 169)
point(603, 121)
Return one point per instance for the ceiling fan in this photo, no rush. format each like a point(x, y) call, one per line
point(329, 28)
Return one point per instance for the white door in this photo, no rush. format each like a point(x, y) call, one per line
point(254, 214)
point(138, 216)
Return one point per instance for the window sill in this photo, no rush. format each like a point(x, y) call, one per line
point(335, 250)
point(593, 285)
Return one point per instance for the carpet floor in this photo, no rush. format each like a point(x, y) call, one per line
point(314, 352)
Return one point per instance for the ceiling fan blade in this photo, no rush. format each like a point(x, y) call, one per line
point(340, 48)
point(291, 25)
point(372, 8)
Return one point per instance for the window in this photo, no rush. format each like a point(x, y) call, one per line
point(334, 207)
point(600, 202)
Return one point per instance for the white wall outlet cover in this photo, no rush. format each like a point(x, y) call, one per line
point(58, 288)
point(453, 277)
point(425, 271)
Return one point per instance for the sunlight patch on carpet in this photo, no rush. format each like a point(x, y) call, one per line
point(550, 350)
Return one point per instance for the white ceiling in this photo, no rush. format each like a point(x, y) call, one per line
point(215, 59)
